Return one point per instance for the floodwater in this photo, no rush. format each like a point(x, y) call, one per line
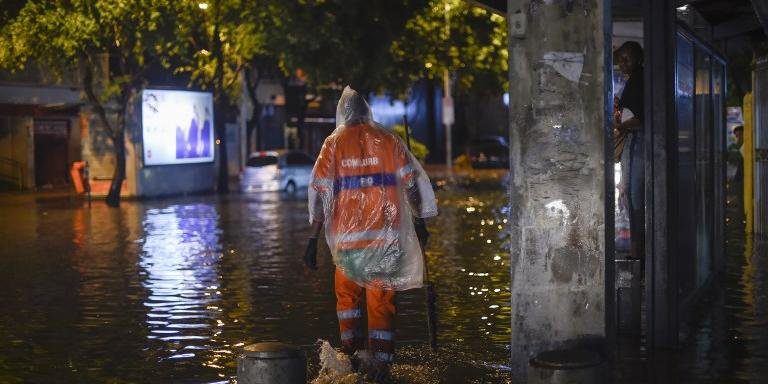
point(727, 339)
point(170, 290)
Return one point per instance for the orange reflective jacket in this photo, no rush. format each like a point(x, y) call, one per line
point(366, 188)
point(364, 165)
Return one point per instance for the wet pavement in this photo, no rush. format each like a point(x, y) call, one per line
point(170, 290)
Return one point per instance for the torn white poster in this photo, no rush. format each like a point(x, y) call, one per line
point(568, 64)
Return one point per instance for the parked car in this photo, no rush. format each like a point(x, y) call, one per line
point(488, 152)
point(280, 170)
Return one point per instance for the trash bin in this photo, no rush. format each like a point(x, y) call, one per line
point(76, 171)
point(628, 296)
point(272, 363)
point(566, 366)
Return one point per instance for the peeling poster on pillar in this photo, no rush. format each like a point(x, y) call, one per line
point(567, 64)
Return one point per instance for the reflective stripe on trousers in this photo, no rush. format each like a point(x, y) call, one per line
point(381, 314)
point(349, 314)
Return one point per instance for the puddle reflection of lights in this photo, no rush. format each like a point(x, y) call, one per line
point(179, 255)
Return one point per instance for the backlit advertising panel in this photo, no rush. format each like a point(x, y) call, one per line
point(177, 127)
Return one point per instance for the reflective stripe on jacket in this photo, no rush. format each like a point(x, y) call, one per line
point(364, 166)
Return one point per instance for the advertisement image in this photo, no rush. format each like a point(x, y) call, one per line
point(177, 127)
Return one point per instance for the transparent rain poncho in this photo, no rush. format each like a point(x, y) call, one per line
point(367, 187)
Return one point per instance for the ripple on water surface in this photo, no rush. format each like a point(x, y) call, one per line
point(172, 289)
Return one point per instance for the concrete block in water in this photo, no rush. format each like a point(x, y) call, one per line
point(272, 363)
point(566, 366)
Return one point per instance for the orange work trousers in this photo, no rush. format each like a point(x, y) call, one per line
point(381, 316)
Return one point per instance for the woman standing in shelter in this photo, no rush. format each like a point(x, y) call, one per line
point(631, 107)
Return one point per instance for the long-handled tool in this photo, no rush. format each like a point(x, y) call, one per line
point(429, 289)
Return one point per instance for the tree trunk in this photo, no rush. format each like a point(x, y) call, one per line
point(435, 154)
point(118, 140)
point(220, 103)
point(113, 198)
point(117, 133)
point(253, 123)
point(253, 128)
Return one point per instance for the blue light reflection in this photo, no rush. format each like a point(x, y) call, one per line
point(179, 257)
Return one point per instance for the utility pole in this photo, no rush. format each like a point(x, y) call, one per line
point(448, 119)
point(448, 115)
point(560, 153)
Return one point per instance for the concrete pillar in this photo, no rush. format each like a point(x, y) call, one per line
point(558, 99)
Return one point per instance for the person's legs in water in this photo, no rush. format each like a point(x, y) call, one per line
point(637, 199)
point(349, 313)
point(381, 332)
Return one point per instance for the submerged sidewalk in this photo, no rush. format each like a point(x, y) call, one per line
point(28, 196)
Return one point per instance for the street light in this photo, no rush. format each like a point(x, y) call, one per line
point(203, 6)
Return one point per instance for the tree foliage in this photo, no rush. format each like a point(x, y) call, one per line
point(220, 39)
point(112, 43)
point(340, 41)
point(470, 42)
point(417, 148)
point(376, 46)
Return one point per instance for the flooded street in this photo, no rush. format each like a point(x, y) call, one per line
point(728, 341)
point(170, 290)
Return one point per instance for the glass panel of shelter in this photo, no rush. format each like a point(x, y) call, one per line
point(686, 205)
point(704, 167)
point(720, 133)
point(701, 143)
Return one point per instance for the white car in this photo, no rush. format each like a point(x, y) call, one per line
point(279, 170)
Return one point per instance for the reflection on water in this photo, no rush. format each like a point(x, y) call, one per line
point(727, 341)
point(179, 255)
point(170, 290)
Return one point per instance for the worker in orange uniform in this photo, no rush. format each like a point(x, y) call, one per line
point(371, 196)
